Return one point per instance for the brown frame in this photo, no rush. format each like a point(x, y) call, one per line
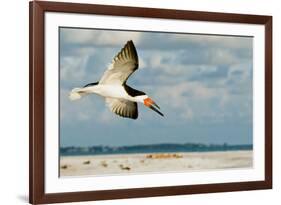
point(36, 113)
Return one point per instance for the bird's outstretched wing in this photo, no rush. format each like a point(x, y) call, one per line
point(122, 66)
point(123, 108)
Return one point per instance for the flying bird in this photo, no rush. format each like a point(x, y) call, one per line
point(119, 97)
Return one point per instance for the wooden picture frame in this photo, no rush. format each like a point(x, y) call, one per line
point(37, 194)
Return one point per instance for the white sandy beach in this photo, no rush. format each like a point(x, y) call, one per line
point(142, 163)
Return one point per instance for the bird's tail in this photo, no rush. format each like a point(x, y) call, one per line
point(76, 94)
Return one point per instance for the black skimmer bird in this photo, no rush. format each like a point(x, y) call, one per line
point(120, 98)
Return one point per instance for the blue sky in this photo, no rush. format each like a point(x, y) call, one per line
point(203, 84)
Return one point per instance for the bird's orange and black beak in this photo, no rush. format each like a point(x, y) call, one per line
point(148, 102)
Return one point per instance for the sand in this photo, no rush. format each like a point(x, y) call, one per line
point(149, 163)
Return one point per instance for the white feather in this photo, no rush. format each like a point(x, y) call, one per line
point(74, 94)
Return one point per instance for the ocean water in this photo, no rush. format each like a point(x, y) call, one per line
point(154, 148)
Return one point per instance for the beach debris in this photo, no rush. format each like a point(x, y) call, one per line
point(87, 162)
point(142, 161)
point(124, 167)
point(163, 156)
point(64, 166)
point(104, 164)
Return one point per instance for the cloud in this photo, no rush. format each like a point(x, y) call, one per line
point(97, 37)
point(179, 101)
point(72, 68)
point(154, 40)
point(166, 41)
point(194, 101)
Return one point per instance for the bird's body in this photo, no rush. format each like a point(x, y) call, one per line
point(120, 98)
point(113, 91)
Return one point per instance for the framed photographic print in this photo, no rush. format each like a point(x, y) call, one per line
point(139, 102)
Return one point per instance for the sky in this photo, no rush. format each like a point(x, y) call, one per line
point(203, 84)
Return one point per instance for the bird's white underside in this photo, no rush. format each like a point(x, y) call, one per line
point(106, 91)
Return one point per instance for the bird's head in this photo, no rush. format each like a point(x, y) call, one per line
point(148, 102)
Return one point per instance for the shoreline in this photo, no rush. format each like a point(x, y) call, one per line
point(143, 153)
point(113, 164)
